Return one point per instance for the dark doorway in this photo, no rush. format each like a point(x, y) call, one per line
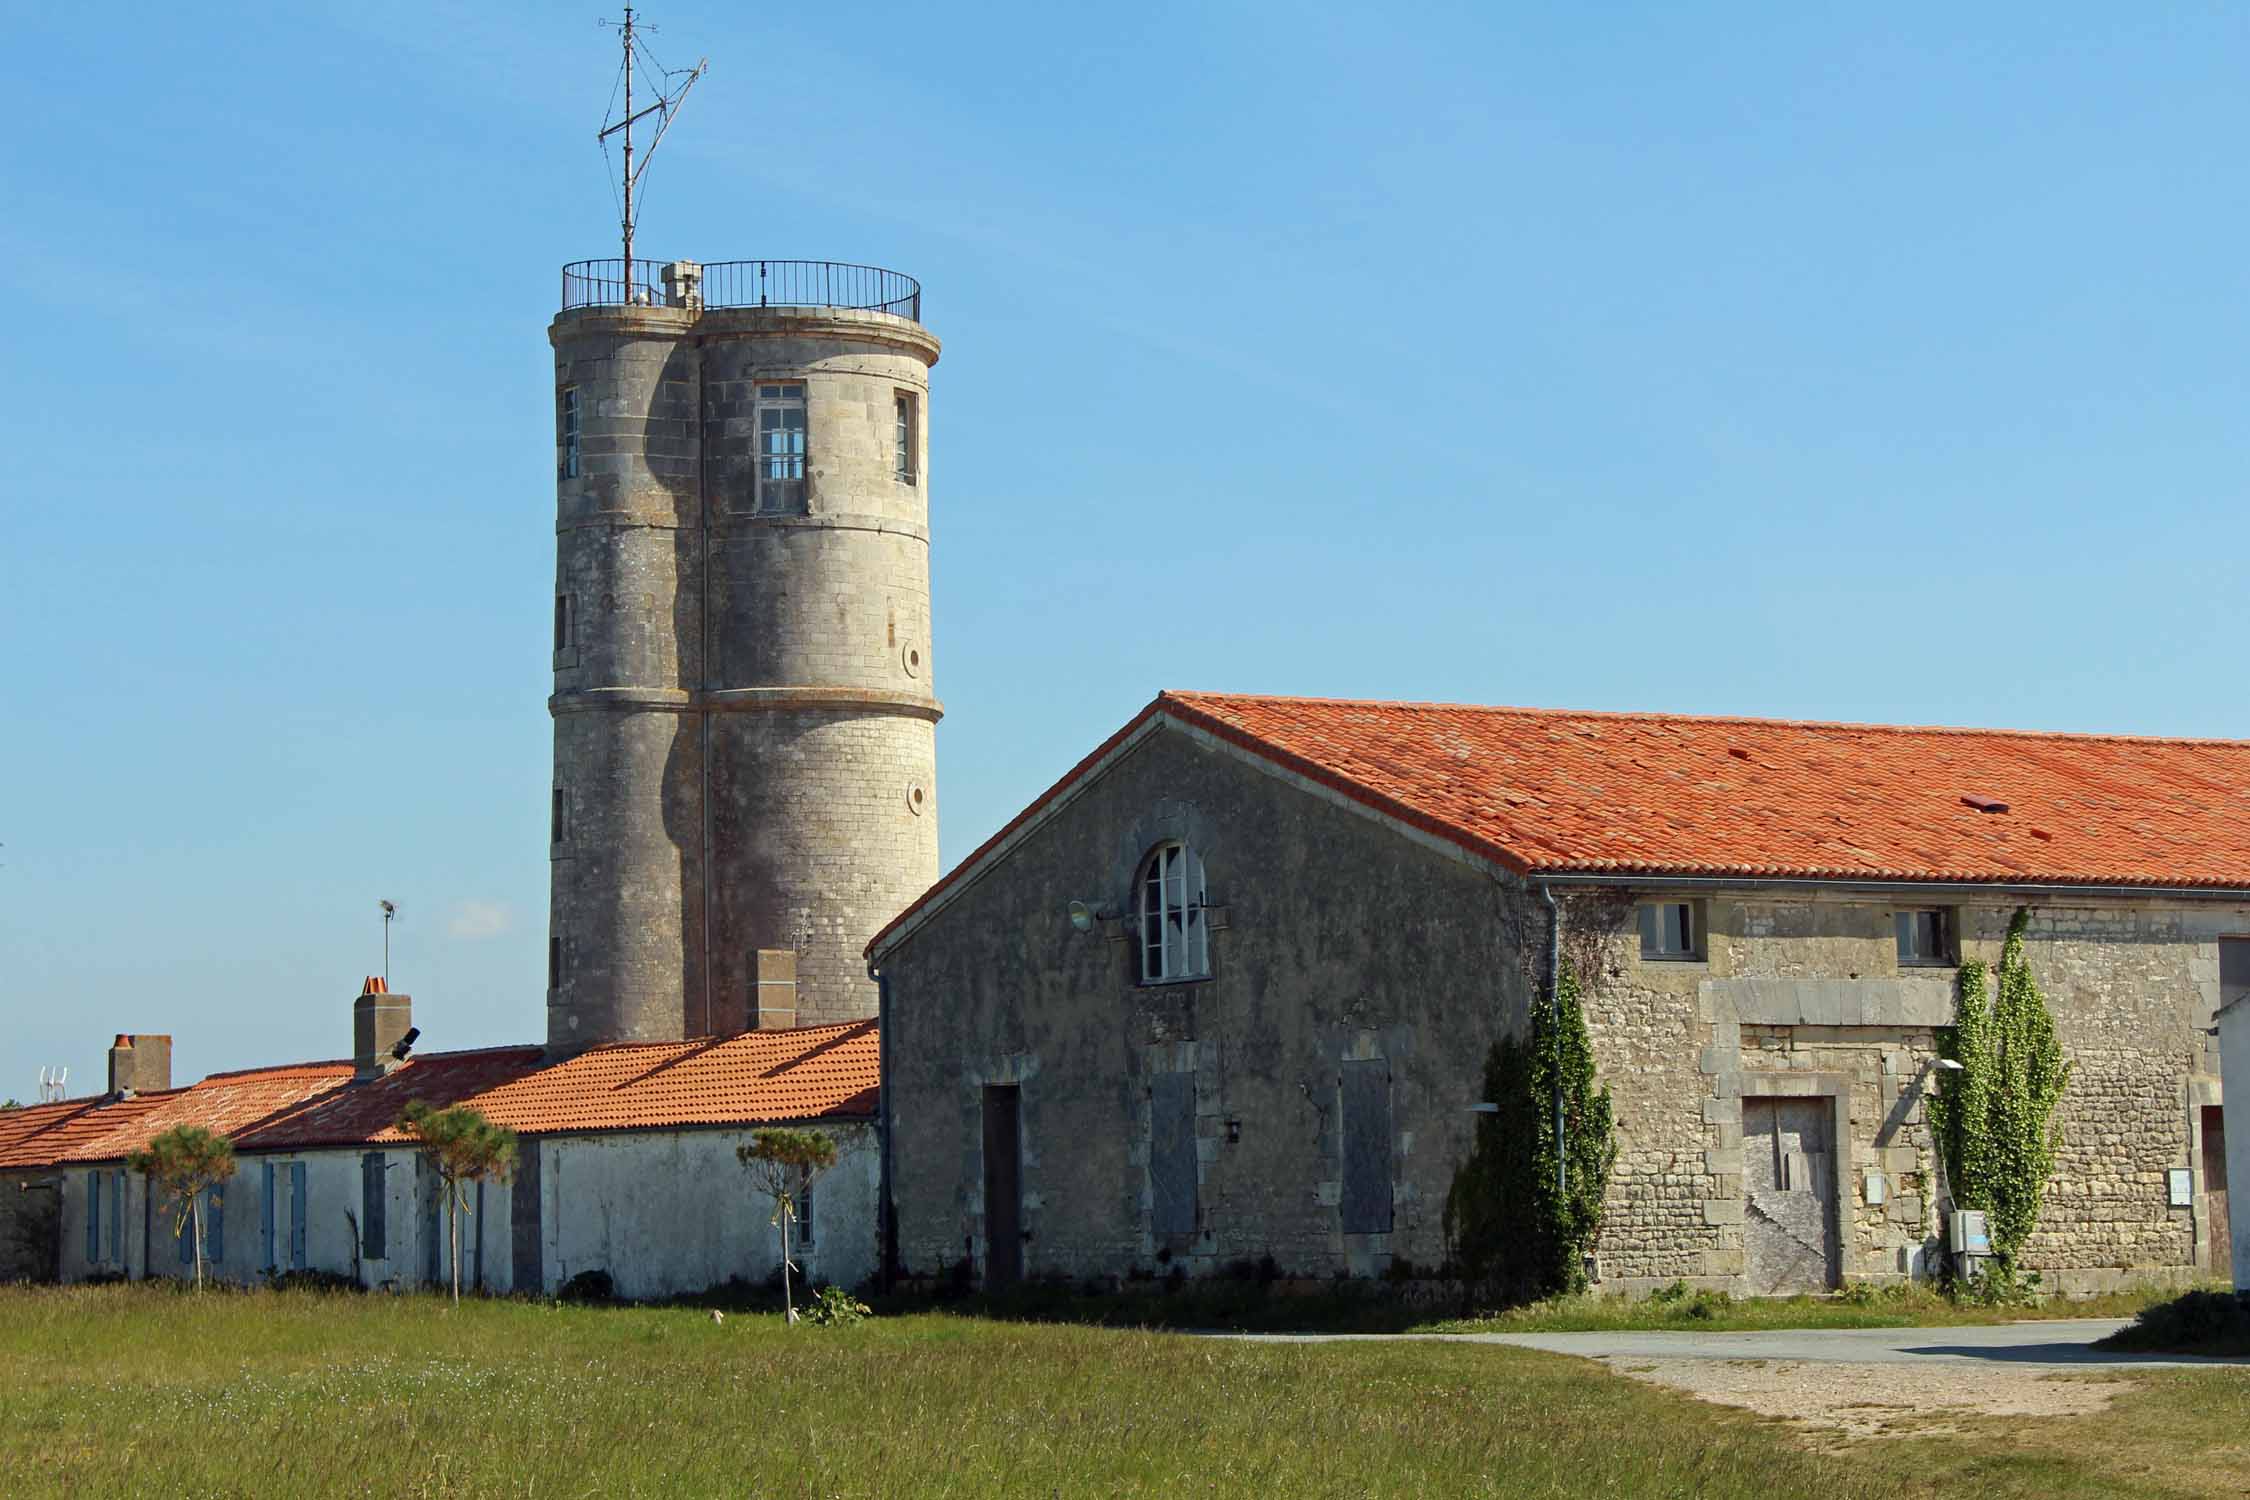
point(1003, 1185)
point(2215, 1190)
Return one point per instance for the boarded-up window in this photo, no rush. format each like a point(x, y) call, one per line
point(297, 1214)
point(117, 1217)
point(265, 1221)
point(374, 1225)
point(93, 1217)
point(1171, 1153)
point(1367, 1147)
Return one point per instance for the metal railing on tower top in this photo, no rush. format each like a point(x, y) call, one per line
point(742, 283)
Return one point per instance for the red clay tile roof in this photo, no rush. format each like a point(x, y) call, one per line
point(1553, 792)
point(814, 1072)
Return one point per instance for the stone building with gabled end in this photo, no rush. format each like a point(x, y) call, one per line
point(625, 1165)
point(1225, 992)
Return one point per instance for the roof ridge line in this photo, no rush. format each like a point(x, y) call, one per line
point(1653, 716)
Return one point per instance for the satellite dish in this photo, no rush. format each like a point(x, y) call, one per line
point(1081, 916)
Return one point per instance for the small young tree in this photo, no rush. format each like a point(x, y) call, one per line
point(1994, 1116)
point(186, 1163)
point(463, 1147)
point(781, 1162)
point(1513, 1228)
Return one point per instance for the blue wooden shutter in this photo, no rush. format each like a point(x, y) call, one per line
point(93, 1217)
point(265, 1220)
point(297, 1214)
point(373, 1208)
point(185, 1234)
point(480, 1237)
point(117, 1218)
point(214, 1225)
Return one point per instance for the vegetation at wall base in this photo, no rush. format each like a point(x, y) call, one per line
point(1514, 1233)
point(1994, 1116)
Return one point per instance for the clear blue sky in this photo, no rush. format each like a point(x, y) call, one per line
point(1871, 364)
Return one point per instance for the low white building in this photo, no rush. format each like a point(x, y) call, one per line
point(627, 1164)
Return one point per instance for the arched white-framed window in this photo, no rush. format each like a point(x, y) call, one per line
point(1175, 936)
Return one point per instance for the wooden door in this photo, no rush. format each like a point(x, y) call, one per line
point(2221, 1248)
point(1789, 1184)
point(1003, 1185)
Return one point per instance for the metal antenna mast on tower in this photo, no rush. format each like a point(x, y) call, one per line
point(667, 105)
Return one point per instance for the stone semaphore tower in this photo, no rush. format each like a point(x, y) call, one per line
point(745, 770)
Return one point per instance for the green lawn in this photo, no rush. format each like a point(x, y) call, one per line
point(147, 1390)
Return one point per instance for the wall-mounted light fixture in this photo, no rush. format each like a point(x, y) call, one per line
point(1081, 917)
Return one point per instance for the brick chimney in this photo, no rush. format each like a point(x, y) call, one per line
point(379, 1020)
point(140, 1064)
point(773, 983)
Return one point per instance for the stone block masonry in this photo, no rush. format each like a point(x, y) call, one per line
point(744, 712)
point(1806, 998)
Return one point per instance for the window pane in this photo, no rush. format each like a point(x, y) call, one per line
point(1651, 943)
point(1675, 928)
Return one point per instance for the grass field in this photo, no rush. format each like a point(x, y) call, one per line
point(146, 1390)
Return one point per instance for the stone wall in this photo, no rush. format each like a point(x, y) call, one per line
point(743, 703)
point(1811, 987)
point(1334, 941)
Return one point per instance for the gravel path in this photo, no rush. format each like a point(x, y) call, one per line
point(1855, 1383)
point(2060, 1342)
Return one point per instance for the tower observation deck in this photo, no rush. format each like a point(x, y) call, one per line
point(745, 772)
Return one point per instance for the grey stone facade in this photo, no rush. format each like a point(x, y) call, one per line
point(743, 700)
point(1340, 937)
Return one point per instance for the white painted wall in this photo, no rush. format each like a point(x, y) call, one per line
point(664, 1212)
point(667, 1212)
point(2234, 1062)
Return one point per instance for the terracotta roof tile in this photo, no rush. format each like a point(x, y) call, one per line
point(1557, 792)
point(813, 1072)
point(1560, 792)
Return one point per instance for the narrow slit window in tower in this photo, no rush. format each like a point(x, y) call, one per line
point(566, 433)
point(558, 825)
point(907, 435)
point(781, 448)
point(554, 960)
point(562, 622)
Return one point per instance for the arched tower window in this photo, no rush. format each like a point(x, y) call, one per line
point(1175, 940)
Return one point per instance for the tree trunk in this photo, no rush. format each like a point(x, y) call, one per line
point(788, 1303)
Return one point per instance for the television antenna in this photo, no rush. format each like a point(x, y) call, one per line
point(672, 91)
point(390, 915)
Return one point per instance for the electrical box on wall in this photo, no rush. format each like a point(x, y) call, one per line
point(1968, 1232)
point(2179, 1185)
point(1873, 1186)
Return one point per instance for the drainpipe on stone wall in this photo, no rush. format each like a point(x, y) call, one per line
point(1554, 1023)
point(886, 1224)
